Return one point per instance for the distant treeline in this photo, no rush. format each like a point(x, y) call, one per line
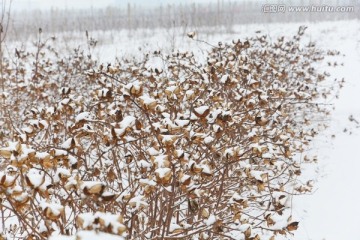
point(221, 13)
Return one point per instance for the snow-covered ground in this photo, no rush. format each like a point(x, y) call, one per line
point(332, 212)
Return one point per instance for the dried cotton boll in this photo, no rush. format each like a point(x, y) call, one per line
point(191, 35)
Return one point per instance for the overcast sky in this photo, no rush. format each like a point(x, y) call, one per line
point(78, 4)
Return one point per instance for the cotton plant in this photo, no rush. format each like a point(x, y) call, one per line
point(194, 150)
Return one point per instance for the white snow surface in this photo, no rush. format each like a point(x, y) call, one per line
point(82, 116)
point(201, 110)
point(128, 121)
point(211, 220)
point(332, 212)
point(67, 143)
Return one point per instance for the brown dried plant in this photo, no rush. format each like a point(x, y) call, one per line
point(190, 151)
